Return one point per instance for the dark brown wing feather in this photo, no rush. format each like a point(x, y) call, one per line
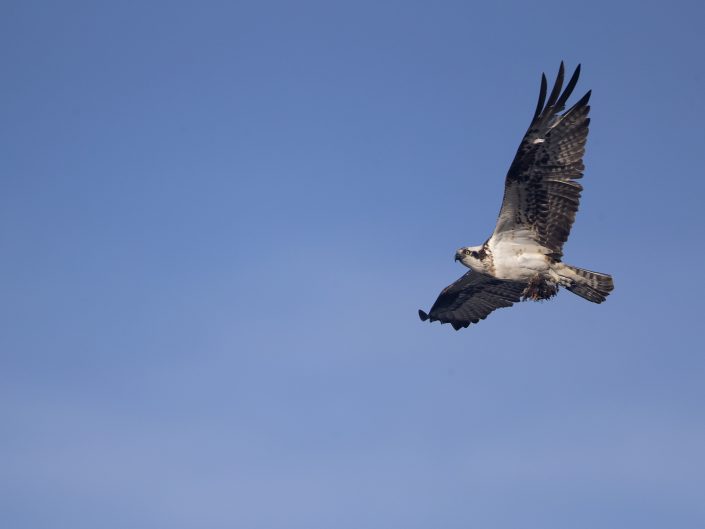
point(471, 298)
point(541, 192)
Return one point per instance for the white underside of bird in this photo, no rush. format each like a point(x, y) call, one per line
point(515, 256)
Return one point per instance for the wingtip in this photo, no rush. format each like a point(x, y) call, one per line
point(576, 73)
point(423, 315)
point(542, 97)
point(557, 87)
point(584, 100)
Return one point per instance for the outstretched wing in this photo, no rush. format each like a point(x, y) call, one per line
point(471, 298)
point(541, 194)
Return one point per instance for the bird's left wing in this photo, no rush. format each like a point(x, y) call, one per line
point(471, 298)
point(541, 194)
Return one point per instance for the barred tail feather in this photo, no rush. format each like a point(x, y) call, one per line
point(592, 286)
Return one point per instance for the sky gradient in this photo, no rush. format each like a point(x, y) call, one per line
point(218, 221)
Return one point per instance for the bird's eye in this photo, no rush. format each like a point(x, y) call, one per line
point(466, 251)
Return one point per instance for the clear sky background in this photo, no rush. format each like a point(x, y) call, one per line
point(217, 223)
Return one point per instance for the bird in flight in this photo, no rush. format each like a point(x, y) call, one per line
point(522, 259)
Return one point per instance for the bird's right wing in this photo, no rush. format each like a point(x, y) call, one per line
point(471, 298)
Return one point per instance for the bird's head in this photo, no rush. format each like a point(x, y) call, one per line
point(470, 256)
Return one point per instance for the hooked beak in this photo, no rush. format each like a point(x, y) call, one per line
point(457, 256)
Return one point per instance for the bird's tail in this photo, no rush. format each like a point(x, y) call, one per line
point(592, 286)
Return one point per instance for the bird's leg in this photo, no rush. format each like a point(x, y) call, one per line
point(539, 288)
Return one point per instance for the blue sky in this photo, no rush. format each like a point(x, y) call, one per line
point(218, 221)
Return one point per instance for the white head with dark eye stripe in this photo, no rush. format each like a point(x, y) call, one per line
point(471, 256)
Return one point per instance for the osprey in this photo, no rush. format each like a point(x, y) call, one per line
point(522, 258)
